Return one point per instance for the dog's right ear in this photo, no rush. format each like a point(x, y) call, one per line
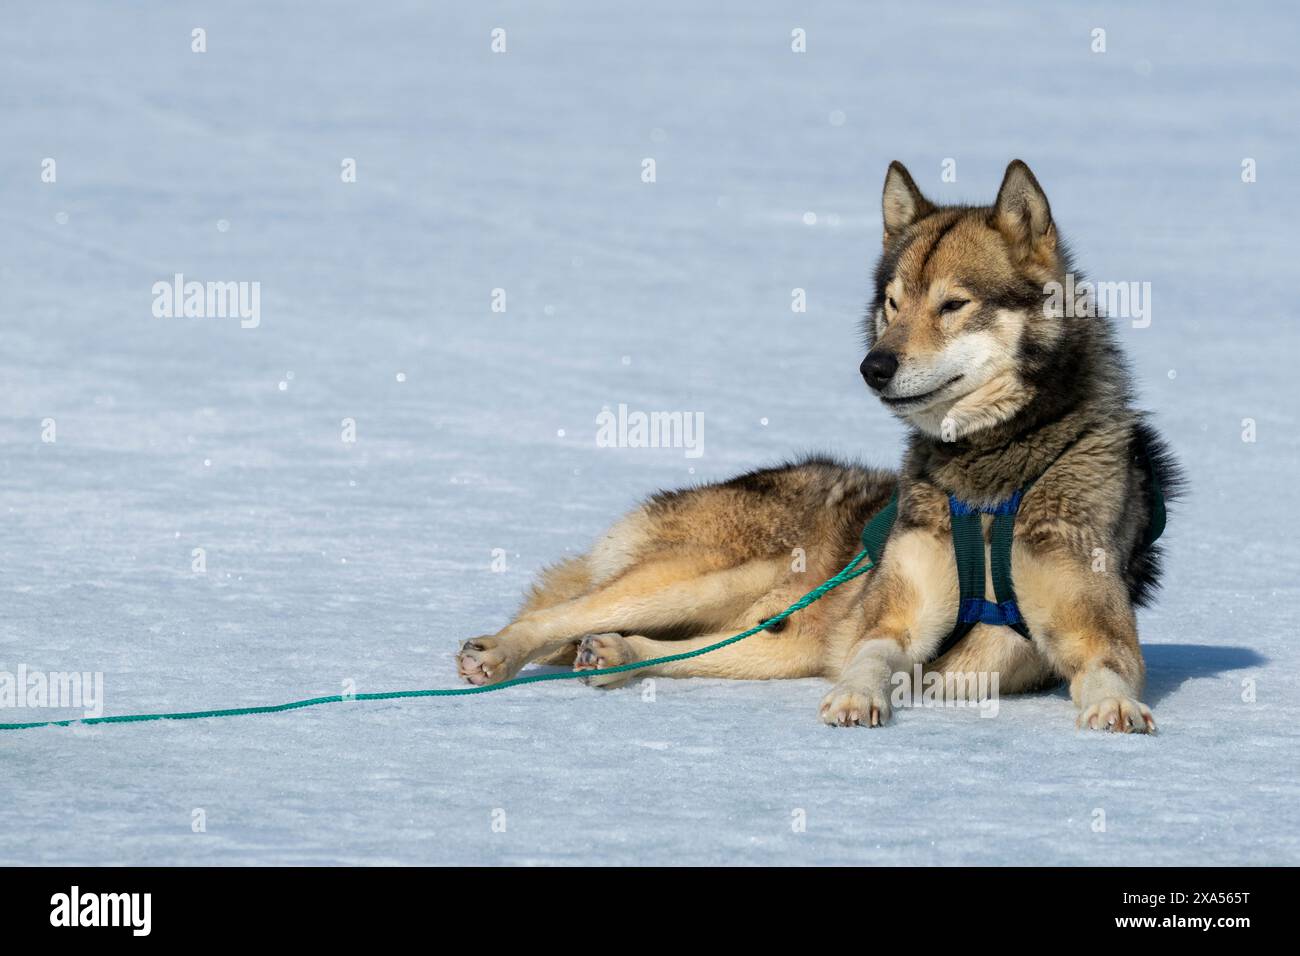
point(902, 203)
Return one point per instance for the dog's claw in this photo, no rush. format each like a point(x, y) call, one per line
point(598, 651)
point(1118, 715)
point(850, 707)
point(484, 660)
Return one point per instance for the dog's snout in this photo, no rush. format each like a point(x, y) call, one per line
point(878, 368)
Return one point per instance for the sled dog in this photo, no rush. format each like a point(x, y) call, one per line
point(1023, 438)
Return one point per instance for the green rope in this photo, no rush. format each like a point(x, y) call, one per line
point(850, 571)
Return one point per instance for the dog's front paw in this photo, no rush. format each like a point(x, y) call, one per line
point(486, 660)
point(1121, 715)
point(848, 706)
point(598, 651)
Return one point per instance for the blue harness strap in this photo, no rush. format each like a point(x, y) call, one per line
point(980, 611)
point(968, 546)
point(1003, 508)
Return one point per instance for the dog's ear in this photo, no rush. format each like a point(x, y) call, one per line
point(902, 203)
point(1021, 212)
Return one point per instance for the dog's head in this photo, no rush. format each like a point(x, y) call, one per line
point(958, 303)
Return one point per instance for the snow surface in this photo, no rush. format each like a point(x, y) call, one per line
point(329, 562)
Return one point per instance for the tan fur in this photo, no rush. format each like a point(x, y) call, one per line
point(691, 568)
point(715, 587)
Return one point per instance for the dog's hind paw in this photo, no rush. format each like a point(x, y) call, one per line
point(486, 660)
point(847, 706)
point(598, 651)
point(1120, 715)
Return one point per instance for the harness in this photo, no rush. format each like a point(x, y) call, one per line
point(968, 548)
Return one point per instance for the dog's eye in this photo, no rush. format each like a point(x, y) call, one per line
point(892, 304)
point(952, 305)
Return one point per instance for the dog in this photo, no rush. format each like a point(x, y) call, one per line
point(1005, 401)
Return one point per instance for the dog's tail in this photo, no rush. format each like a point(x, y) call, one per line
point(1165, 483)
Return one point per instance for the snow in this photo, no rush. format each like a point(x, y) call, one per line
point(367, 562)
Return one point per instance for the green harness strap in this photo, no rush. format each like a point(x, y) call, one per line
point(968, 549)
point(877, 530)
point(1000, 566)
point(968, 544)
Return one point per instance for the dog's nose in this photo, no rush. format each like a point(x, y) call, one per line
point(878, 368)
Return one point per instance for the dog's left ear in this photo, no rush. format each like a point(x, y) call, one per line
point(1021, 212)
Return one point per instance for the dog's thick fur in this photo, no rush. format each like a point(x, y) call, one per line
point(999, 395)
